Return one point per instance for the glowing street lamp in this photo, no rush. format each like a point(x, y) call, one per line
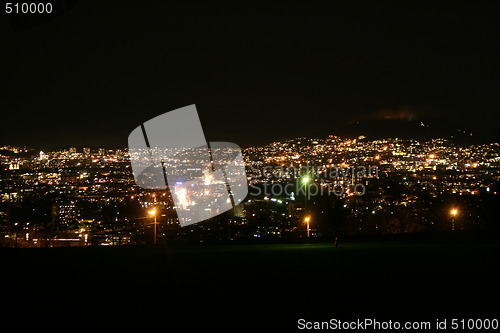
point(152, 212)
point(305, 181)
point(453, 213)
point(307, 220)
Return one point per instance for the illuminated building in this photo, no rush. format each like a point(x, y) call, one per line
point(67, 213)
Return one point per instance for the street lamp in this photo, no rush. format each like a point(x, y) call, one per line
point(453, 213)
point(307, 220)
point(152, 212)
point(305, 181)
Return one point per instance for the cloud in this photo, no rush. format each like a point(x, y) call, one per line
point(401, 112)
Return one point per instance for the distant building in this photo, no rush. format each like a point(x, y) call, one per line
point(72, 150)
point(120, 154)
point(86, 151)
point(239, 211)
point(67, 213)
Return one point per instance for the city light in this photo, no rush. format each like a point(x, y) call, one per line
point(453, 213)
point(307, 220)
point(87, 180)
point(152, 212)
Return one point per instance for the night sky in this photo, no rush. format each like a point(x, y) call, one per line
point(257, 73)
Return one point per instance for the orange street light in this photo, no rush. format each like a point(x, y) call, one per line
point(453, 213)
point(307, 220)
point(152, 212)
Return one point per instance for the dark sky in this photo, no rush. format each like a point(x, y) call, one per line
point(257, 73)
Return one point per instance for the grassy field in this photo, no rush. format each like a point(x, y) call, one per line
point(257, 284)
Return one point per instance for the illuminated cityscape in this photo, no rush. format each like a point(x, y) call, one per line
point(262, 166)
point(87, 196)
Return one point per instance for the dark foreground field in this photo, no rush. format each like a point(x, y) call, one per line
point(265, 287)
